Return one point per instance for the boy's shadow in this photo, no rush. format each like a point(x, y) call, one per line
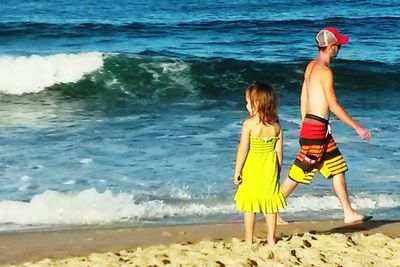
point(387, 227)
point(367, 226)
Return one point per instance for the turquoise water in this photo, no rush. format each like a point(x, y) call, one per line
point(130, 113)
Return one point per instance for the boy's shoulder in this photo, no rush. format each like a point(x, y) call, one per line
point(317, 66)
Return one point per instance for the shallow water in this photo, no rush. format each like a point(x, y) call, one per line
point(111, 114)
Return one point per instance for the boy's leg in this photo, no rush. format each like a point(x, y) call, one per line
point(249, 222)
point(340, 187)
point(280, 220)
point(271, 227)
point(287, 186)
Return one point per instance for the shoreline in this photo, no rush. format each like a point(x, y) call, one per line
point(17, 248)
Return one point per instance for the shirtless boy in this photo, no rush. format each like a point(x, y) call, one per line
point(318, 149)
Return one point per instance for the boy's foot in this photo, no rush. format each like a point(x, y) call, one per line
point(280, 221)
point(356, 218)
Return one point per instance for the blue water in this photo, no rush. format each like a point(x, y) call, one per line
point(129, 112)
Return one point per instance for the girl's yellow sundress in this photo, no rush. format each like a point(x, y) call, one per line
point(260, 190)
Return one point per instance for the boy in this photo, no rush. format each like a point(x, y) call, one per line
point(318, 149)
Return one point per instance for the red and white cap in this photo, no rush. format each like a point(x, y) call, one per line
point(329, 36)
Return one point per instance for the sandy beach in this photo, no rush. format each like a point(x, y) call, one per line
point(306, 243)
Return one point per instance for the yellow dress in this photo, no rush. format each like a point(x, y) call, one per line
point(260, 190)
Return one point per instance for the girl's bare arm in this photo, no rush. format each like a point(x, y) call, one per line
point(279, 150)
point(242, 150)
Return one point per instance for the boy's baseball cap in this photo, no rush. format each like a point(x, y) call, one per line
point(329, 36)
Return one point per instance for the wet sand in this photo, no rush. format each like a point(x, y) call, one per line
point(305, 243)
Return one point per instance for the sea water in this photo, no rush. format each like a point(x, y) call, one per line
point(129, 112)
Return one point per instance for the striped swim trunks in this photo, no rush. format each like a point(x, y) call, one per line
point(318, 152)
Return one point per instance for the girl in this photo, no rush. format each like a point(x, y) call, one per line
point(259, 161)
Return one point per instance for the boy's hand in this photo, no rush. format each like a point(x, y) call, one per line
point(364, 133)
point(237, 180)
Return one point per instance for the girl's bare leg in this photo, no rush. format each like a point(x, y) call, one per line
point(249, 222)
point(271, 227)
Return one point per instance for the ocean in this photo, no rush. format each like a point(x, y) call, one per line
point(128, 113)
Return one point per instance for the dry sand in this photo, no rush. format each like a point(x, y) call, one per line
point(307, 243)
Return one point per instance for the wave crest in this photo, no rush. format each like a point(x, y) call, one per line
point(34, 73)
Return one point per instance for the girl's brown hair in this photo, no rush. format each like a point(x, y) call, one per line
point(263, 100)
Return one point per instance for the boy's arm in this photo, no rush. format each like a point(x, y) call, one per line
point(279, 151)
point(337, 109)
point(242, 151)
point(303, 101)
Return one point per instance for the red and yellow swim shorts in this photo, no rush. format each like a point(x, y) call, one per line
point(318, 152)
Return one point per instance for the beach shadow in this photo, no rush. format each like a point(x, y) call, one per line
point(367, 226)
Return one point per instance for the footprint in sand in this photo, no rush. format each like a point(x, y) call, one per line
point(306, 243)
point(251, 262)
point(288, 238)
point(220, 264)
point(294, 254)
point(270, 255)
point(166, 262)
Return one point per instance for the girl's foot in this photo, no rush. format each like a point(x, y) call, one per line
point(249, 242)
point(271, 241)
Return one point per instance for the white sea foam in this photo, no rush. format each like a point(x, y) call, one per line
point(325, 203)
point(312, 203)
point(23, 187)
point(86, 161)
point(181, 193)
point(93, 207)
point(198, 119)
point(33, 74)
point(25, 178)
point(69, 182)
point(176, 72)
